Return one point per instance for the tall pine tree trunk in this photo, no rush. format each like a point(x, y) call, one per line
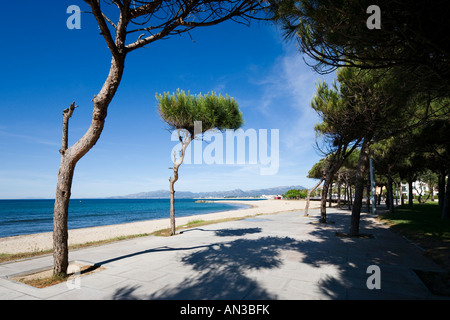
point(441, 189)
point(410, 192)
point(323, 199)
point(346, 200)
point(330, 195)
point(368, 196)
point(177, 163)
point(359, 188)
point(402, 197)
point(390, 191)
point(339, 184)
point(60, 217)
point(309, 196)
point(350, 192)
point(379, 196)
point(446, 204)
point(70, 157)
point(172, 181)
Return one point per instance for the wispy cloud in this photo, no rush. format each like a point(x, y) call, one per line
point(287, 92)
point(288, 80)
point(26, 183)
point(28, 138)
point(287, 89)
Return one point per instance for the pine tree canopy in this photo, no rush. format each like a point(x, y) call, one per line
point(180, 111)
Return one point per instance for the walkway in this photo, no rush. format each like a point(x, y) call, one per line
point(284, 256)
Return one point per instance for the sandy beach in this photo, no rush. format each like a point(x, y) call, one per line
point(43, 241)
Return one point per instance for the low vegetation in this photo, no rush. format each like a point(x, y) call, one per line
point(424, 226)
point(422, 220)
point(295, 194)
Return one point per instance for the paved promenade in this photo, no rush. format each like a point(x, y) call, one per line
point(285, 256)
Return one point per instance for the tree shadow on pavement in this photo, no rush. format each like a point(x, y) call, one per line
point(220, 270)
point(228, 232)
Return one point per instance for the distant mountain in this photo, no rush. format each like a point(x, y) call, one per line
point(237, 193)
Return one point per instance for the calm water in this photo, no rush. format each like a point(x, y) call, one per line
point(19, 217)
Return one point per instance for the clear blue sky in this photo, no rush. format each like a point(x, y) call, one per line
point(45, 66)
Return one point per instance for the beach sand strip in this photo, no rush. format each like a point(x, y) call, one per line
point(43, 241)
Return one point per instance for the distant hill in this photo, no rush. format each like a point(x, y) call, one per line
point(236, 193)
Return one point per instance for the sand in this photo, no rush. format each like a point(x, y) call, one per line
point(43, 241)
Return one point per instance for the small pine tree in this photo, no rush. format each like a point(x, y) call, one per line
point(182, 111)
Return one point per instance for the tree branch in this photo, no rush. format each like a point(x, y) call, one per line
point(186, 15)
point(103, 27)
point(145, 9)
point(142, 42)
point(109, 21)
point(67, 113)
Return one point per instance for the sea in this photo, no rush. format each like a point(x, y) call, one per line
point(19, 217)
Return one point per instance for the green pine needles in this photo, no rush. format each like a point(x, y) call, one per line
point(180, 110)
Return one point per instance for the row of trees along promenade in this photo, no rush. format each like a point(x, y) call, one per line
point(390, 101)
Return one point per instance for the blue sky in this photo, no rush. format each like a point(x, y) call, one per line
point(45, 66)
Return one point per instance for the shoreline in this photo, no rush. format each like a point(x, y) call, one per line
point(44, 241)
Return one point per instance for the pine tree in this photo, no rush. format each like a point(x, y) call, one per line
point(192, 116)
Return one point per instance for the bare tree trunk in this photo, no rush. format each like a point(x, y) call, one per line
point(419, 192)
point(172, 201)
point(402, 198)
point(350, 192)
point(441, 188)
point(431, 186)
point(381, 193)
point(368, 196)
point(346, 193)
point(390, 193)
point(172, 180)
point(339, 192)
point(309, 196)
point(359, 188)
point(396, 193)
point(446, 204)
point(332, 168)
point(330, 195)
point(323, 199)
point(70, 157)
point(60, 217)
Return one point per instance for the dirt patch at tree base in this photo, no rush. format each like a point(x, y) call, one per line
point(44, 277)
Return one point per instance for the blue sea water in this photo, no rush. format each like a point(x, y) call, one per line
point(18, 217)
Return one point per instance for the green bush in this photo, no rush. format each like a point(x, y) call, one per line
point(296, 194)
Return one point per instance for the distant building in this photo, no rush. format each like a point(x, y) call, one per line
point(418, 187)
point(271, 196)
point(419, 190)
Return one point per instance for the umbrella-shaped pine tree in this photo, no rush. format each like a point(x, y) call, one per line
point(191, 116)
